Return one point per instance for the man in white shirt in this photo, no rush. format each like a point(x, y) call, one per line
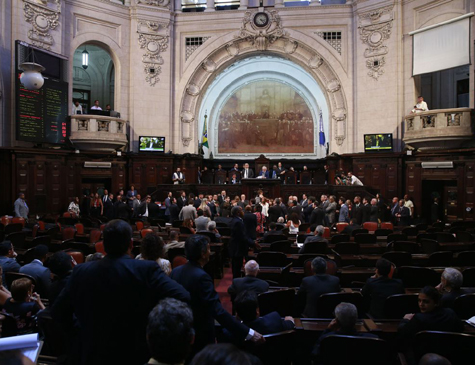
point(409, 204)
point(354, 180)
point(247, 173)
point(77, 108)
point(96, 106)
point(178, 177)
point(421, 105)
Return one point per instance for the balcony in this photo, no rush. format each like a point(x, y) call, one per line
point(440, 129)
point(98, 133)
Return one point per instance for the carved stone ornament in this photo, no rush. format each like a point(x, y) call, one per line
point(262, 37)
point(159, 3)
point(187, 117)
point(339, 114)
point(209, 65)
point(232, 49)
point(43, 18)
point(290, 46)
point(333, 86)
point(153, 38)
point(315, 62)
point(375, 28)
point(193, 90)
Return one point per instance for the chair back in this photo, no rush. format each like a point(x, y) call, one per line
point(340, 226)
point(281, 246)
point(398, 258)
point(387, 225)
point(422, 227)
point(429, 246)
point(279, 348)
point(300, 262)
point(95, 235)
point(211, 236)
point(8, 325)
point(56, 340)
point(383, 232)
point(301, 237)
point(10, 277)
point(146, 231)
point(365, 238)
point(406, 246)
point(317, 247)
point(418, 277)
point(469, 277)
point(79, 228)
point(370, 226)
point(398, 305)
point(179, 260)
point(327, 302)
point(185, 230)
point(463, 236)
point(326, 232)
point(272, 259)
point(68, 233)
point(340, 238)
point(357, 350)
point(410, 231)
point(20, 220)
point(177, 224)
point(273, 238)
point(139, 225)
point(5, 220)
point(78, 256)
point(281, 301)
point(53, 232)
point(13, 227)
point(396, 237)
point(347, 248)
point(224, 231)
point(172, 252)
point(18, 239)
point(456, 347)
point(464, 306)
point(358, 231)
point(465, 258)
point(99, 247)
point(40, 240)
point(445, 237)
point(440, 258)
point(303, 227)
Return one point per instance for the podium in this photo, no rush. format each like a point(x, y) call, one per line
point(270, 187)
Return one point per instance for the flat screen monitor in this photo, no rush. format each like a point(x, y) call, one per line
point(151, 144)
point(378, 142)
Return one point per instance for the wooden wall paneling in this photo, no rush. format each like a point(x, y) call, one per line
point(118, 177)
point(53, 186)
point(391, 181)
point(469, 187)
point(6, 182)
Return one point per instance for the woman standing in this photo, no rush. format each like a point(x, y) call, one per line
point(260, 219)
point(97, 208)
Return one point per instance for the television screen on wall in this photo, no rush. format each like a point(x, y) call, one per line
point(378, 142)
point(151, 144)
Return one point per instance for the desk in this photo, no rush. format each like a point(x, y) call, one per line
point(270, 187)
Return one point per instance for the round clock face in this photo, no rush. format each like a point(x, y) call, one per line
point(261, 19)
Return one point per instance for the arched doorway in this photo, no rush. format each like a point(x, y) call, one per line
point(96, 82)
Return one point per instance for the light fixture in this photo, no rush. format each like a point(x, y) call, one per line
point(85, 59)
point(31, 77)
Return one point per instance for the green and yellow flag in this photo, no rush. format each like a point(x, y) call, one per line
point(204, 141)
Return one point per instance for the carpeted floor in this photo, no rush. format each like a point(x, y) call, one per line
point(222, 285)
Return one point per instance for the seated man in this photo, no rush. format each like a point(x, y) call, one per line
point(379, 287)
point(351, 227)
point(36, 269)
point(173, 242)
point(249, 282)
point(170, 333)
point(271, 232)
point(344, 323)
point(201, 223)
point(450, 282)
point(212, 228)
point(313, 286)
point(317, 238)
point(7, 259)
point(247, 310)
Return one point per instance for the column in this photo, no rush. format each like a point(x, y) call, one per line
point(177, 6)
point(279, 4)
point(209, 5)
point(244, 4)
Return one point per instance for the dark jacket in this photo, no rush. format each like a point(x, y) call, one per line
point(328, 332)
point(306, 248)
point(174, 212)
point(41, 274)
point(350, 228)
point(239, 242)
point(8, 265)
point(111, 299)
point(366, 212)
point(357, 212)
point(121, 210)
point(274, 213)
point(312, 287)
point(252, 283)
point(376, 290)
point(317, 217)
point(206, 306)
point(270, 323)
point(250, 224)
point(374, 214)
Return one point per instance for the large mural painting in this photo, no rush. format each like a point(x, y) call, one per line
point(265, 117)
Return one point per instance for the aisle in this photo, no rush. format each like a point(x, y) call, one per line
point(222, 285)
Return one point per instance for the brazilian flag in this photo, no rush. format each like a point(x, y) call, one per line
point(204, 141)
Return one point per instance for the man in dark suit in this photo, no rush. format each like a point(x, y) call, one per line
point(243, 203)
point(264, 174)
point(7, 259)
point(239, 242)
point(317, 218)
point(275, 211)
point(182, 200)
point(108, 206)
point(246, 172)
point(38, 271)
point(249, 282)
point(319, 230)
point(121, 209)
point(305, 201)
point(174, 211)
point(451, 281)
point(222, 197)
point(313, 286)
point(247, 310)
point(357, 211)
point(379, 287)
point(366, 211)
point(374, 211)
point(205, 302)
point(308, 209)
point(351, 227)
point(250, 223)
point(403, 214)
point(271, 232)
point(111, 299)
point(168, 202)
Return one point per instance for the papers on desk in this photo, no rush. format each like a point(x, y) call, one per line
point(28, 344)
point(471, 321)
point(300, 245)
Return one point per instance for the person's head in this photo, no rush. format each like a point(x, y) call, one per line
point(174, 235)
point(248, 209)
point(178, 169)
point(235, 165)
point(401, 202)
point(197, 249)
point(132, 188)
point(96, 196)
point(170, 331)
point(223, 193)
point(246, 165)
point(259, 208)
point(433, 359)
point(429, 298)
point(272, 226)
point(341, 201)
point(222, 354)
point(96, 102)
point(280, 220)
point(76, 103)
point(251, 268)
point(264, 168)
point(7, 249)
point(319, 265)
point(406, 197)
point(40, 252)
point(451, 279)
point(350, 174)
point(383, 267)
point(211, 225)
point(60, 264)
point(420, 99)
point(353, 221)
point(188, 223)
point(323, 198)
point(395, 200)
point(319, 230)
point(294, 217)
point(357, 199)
point(305, 168)
point(332, 199)
point(152, 247)
point(280, 165)
point(200, 213)
point(325, 167)
point(346, 315)
point(237, 211)
point(139, 197)
point(21, 289)
point(96, 256)
point(277, 201)
point(108, 107)
point(374, 201)
point(117, 237)
point(246, 306)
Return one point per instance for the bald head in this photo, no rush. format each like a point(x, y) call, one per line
point(251, 268)
point(433, 359)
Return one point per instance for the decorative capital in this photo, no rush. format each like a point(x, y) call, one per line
point(158, 3)
point(43, 18)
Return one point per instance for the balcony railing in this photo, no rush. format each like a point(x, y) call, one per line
point(440, 129)
point(98, 133)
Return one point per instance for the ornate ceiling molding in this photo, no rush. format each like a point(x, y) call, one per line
point(43, 18)
point(153, 38)
point(375, 28)
point(158, 3)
